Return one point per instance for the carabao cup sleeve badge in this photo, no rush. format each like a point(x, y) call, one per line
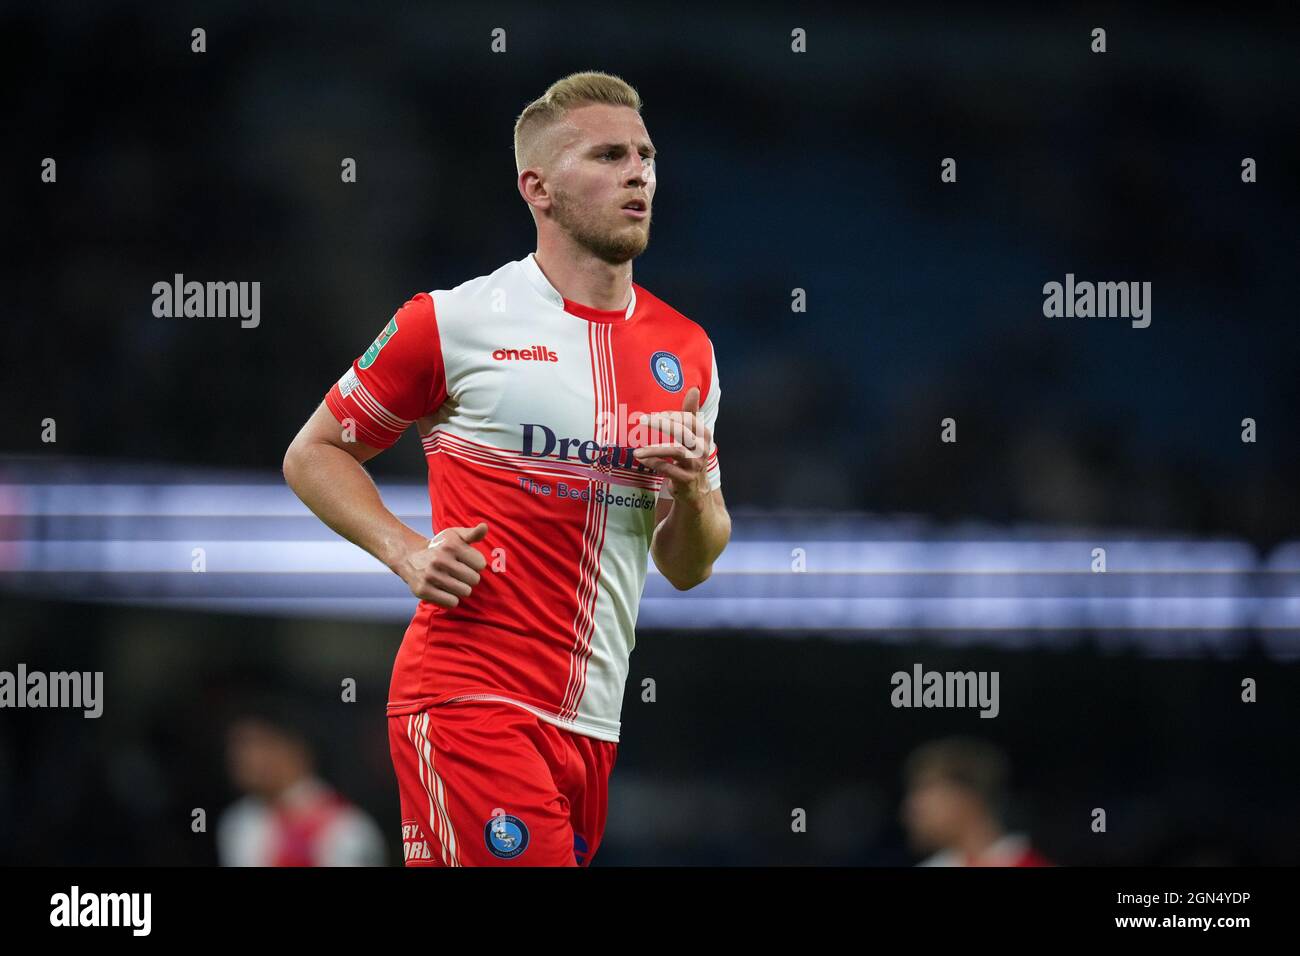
point(372, 353)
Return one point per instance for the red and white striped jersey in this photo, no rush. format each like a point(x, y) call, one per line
point(528, 407)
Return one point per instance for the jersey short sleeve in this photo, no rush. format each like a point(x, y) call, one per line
point(399, 379)
point(709, 418)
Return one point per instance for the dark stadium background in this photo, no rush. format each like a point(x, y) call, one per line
point(777, 171)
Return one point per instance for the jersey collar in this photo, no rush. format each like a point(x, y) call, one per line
point(537, 278)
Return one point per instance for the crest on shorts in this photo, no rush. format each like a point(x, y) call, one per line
point(667, 370)
point(506, 836)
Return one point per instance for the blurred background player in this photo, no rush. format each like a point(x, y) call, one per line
point(289, 816)
point(952, 809)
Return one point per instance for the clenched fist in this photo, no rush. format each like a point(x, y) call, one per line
point(446, 571)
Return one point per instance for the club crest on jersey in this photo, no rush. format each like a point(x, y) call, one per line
point(667, 370)
point(506, 836)
point(372, 353)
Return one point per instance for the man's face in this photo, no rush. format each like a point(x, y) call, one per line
point(603, 161)
point(261, 759)
point(935, 812)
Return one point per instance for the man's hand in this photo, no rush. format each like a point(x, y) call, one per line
point(697, 527)
point(446, 570)
point(683, 460)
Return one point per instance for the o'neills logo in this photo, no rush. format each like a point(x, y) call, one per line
point(535, 353)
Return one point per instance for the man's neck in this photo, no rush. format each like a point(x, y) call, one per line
point(581, 277)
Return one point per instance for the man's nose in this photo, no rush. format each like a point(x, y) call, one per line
point(641, 175)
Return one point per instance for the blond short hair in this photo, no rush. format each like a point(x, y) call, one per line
point(576, 89)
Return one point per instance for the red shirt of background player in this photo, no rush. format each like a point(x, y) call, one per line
point(1026, 857)
point(1011, 850)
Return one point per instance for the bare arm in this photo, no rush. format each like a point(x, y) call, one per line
point(689, 536)
point(693, 527)
point(327, 473)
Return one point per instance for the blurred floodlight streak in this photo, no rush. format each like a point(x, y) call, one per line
point(186, 538)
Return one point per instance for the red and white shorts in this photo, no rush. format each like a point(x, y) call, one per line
point(486, 783)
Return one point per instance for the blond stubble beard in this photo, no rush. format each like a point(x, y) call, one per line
point(610, 245)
